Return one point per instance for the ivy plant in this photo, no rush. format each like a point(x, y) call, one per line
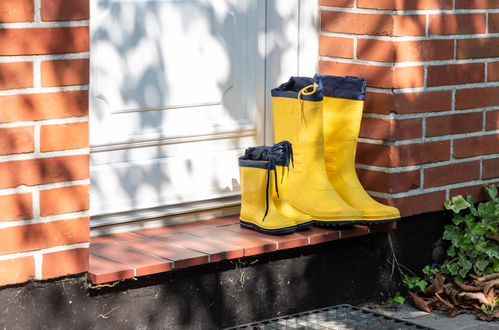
point(471, 248)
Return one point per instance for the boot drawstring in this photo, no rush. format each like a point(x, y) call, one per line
point(287, 149)
point(303, 91)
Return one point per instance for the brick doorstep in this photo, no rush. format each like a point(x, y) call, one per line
point(152, 251)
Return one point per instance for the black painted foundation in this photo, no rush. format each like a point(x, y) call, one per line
point(350, 271)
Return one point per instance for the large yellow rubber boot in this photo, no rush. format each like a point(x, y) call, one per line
point(343, 104)
point(297, 112)
point(263, 204)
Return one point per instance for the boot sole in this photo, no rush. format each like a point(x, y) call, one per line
point(305, 225)
point(338, 223)
point(277, 231)
point(377, 222)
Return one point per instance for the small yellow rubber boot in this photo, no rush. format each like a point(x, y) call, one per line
point(260, 198)
point(301, 219)
point(297, 112)
point(343, 104)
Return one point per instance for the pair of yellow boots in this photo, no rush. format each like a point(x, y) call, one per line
point(310, 177)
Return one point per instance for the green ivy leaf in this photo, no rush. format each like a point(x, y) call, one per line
point(397, 299)
point(456, 204)
point(492, 191)
point(453, 234)
point(453, 268)
point(478, 230)
point(473, 210)
point(465, 266)
point(451, 251)
point(479, 266)
point(492, 250)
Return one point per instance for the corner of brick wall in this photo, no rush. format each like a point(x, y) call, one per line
point(44, 171)
point(431, 121)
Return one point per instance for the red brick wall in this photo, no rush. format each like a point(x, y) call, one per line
point(431, 123)
point(44, 171)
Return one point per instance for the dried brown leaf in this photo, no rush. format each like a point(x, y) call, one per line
point(479, 296)
point(487, 278)
point(457, 311)
point(420, 303)
point(445, 302)
point(491, 295)
point(469, 288)
point(437, 286)
point(490, 284)
point(451, 294)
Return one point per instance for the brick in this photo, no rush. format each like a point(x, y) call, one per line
point(476, 146)
point(43, 171)
point(336, 47)
point(423, 153)
point(65, 72)
point(457, 24)
point(490, 168)
point(422, 102)
point(43, 41)
point(492, 120)
point(477, 4)
point(455, 74)
point(43, 235)
point(476, 191)
point(405, 4)
point(407, 77)
point(450, 174)
point(409, 25)
point(389, 182)
point(407, 129)
point(13, 11)
point(375, 50)
point(63, 10)
point(378, 103)
point(376, 76)
point(16, 207)
point(63, 136)
point(217, 250)
point(477, 98)
point(102, 270)
point(62, 263)
point(17, 270)
point(180, 256)
point(494, 23)
point(353, 231)
point(342, 22)
point(15, 140)
point(423, 50)
point(454, 124)
point(64, 200)
point(418, 204)
point(493, 71)
point(374, 154)
point(402, 155)
point(27, 107)
point(477, 48)
point(391, 130)
point(16, 75)
point(143, 263)
point(337, 3)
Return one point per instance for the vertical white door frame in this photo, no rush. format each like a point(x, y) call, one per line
point(291, 47)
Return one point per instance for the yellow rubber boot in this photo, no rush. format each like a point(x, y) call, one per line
point(297, 111)
point(343, 104)
point(301, 219)
point(259, 200)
